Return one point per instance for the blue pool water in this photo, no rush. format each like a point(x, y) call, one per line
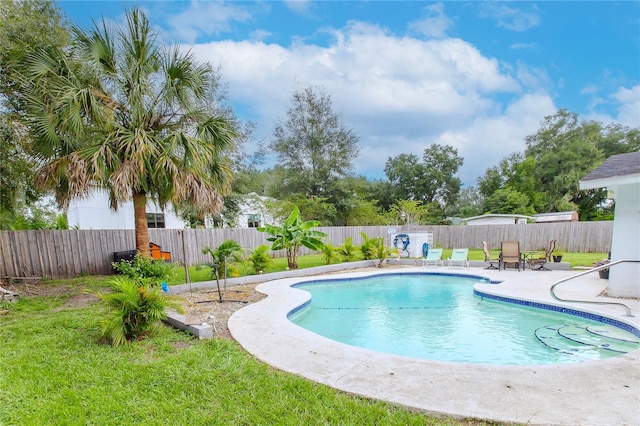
point(437, 317)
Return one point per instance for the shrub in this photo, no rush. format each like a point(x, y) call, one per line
point(136, 307)
point(144, 269)
point(367, 246)
point(329, 252)
point(260, 259)
point(347, 250)
point(378, 250)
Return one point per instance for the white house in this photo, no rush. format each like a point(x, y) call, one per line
point(620, 174)
point(252, 212)
point(497, 219)
point(93, 212)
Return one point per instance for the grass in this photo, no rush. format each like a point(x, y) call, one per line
point(199, 273)
point(55, 371)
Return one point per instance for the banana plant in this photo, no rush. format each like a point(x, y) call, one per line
point(292, 235)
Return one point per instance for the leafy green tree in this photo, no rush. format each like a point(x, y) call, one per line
point(619, 139)
point(508, 201)
point(25, 26)
point(366, 213)
point(223, 256)
point(565, 150)
point(135, 116)
point(468, 204)
point(315, 149)
point(292, 235)
point(432, 179)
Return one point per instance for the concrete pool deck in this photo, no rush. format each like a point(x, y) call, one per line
point(584, 393)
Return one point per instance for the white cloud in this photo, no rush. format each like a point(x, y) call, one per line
point(628, 101)
point(206, 18)
point(523, 46)
point(399, 94)
point(299, 6)
point(511, 18)
point(434, 23)
point(625, 101)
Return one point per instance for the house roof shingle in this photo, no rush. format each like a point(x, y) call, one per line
point(615, 166)
point(615, 171)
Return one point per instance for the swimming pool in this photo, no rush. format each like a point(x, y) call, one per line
point(438, 317)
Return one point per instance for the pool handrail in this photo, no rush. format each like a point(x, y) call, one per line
point(597, 268)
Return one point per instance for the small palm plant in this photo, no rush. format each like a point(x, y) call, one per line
point(227, 253)
point(377, 250)
point(347, 250)
point(330, 253)
point(260, 259)
point(366, 246)
point(136, 308)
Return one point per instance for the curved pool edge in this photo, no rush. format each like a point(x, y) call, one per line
point(590, 392)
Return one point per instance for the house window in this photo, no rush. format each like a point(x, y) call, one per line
point(155, 220)
point(253, 220)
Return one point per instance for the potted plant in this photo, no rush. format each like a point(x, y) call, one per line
point(557, 255)
point(604, 273)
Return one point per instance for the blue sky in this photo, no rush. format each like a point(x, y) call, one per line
point(479, 76)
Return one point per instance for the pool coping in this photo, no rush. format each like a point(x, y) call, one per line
point(590, 392)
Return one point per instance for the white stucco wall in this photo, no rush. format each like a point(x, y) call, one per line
point(93, 212)
point(624, 279)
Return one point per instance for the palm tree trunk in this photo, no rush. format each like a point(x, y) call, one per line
point(142, 230)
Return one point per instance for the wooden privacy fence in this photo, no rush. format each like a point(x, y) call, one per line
point(72, 253)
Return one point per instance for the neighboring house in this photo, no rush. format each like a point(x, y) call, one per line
point(556, 217)
point(620, 174)
point(253, 212)
point(93, 212)
point(496, 219)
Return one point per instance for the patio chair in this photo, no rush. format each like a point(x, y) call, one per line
point(510, 254)
point(459, 257)
point(537, 264)
point(433, 257)
point(493, 264)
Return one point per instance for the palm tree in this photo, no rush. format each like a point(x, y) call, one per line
point(122, 111)
point(228, 252)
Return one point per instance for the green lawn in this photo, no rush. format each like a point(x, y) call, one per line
point(55, 371)
point(198, 273)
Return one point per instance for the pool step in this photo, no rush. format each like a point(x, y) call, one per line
point(585, 342)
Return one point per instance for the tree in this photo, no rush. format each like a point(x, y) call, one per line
point(293, 234)
point(432, 179)
point(128, 113)
point(469, 203)
point(508, 201)
point(314, 148)
point(25, 27)
point(564, 151)
point(227, 252)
